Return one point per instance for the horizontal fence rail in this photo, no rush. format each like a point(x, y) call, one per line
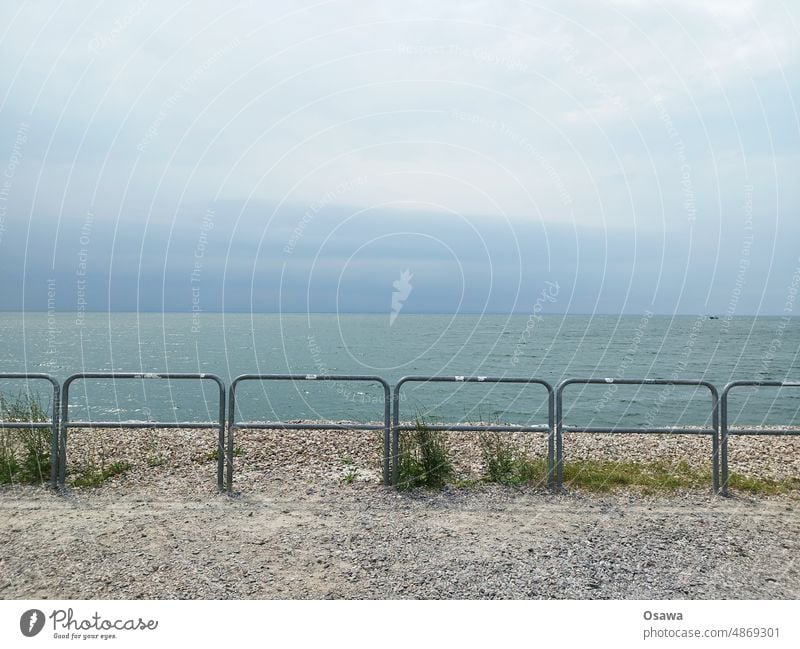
point(397, 427)
point(280, 425)
point(675, 430)
point(727, 431)
point(52, 424)
point(114, 376)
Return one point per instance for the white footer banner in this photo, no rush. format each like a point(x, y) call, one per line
point(388, 624)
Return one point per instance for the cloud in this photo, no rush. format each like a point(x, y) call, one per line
point(557, 117)
point(346, 259)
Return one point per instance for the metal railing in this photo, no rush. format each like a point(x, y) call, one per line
point(52, 424)
point(671, 430)
point(720, 431)
point(726, 431)
point(396, 427)
point(67, 424)
point(280, 425)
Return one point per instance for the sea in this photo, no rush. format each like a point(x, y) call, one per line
point(548, 347)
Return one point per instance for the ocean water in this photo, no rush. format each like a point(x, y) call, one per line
point(547, 347)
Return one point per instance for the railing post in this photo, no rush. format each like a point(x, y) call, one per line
point(62, 440)
point(396, 434)
point(560, 438)
point(231, 428)
point(221, 437)
point(387, 425)
point(715, 437)
point(724, 439)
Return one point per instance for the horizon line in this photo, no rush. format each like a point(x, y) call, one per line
point(445, 313)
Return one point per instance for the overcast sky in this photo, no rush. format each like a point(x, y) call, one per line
point(302, 156)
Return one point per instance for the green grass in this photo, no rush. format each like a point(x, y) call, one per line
point(24, 452)
point(94, 476)
point(504, 464)
point(738, 482)
point(423, 459)
point(650, 477)
point(659, 477)
point(499, 458)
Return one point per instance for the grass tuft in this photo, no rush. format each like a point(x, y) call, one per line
point(504, 464)
point(423, 458)
point(24, 452)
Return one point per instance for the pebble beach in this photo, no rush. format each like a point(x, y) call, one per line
point(309, 518)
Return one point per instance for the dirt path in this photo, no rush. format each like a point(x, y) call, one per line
point(296, 540)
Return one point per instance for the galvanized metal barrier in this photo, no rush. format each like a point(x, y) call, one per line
point(114, 376)
point(52, 424)
point(396, 427)
point(672, 430)
point(726, 431)
point(720, 431)
point(280, 425)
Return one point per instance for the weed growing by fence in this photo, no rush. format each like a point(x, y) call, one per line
point(24, 452)
point(423, 458)
point(506, 465)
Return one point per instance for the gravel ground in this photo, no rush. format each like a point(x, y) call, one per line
point(309, 519)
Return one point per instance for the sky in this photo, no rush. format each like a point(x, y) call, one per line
point(461, 157)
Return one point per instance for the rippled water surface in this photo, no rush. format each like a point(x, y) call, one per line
point(551, 348)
